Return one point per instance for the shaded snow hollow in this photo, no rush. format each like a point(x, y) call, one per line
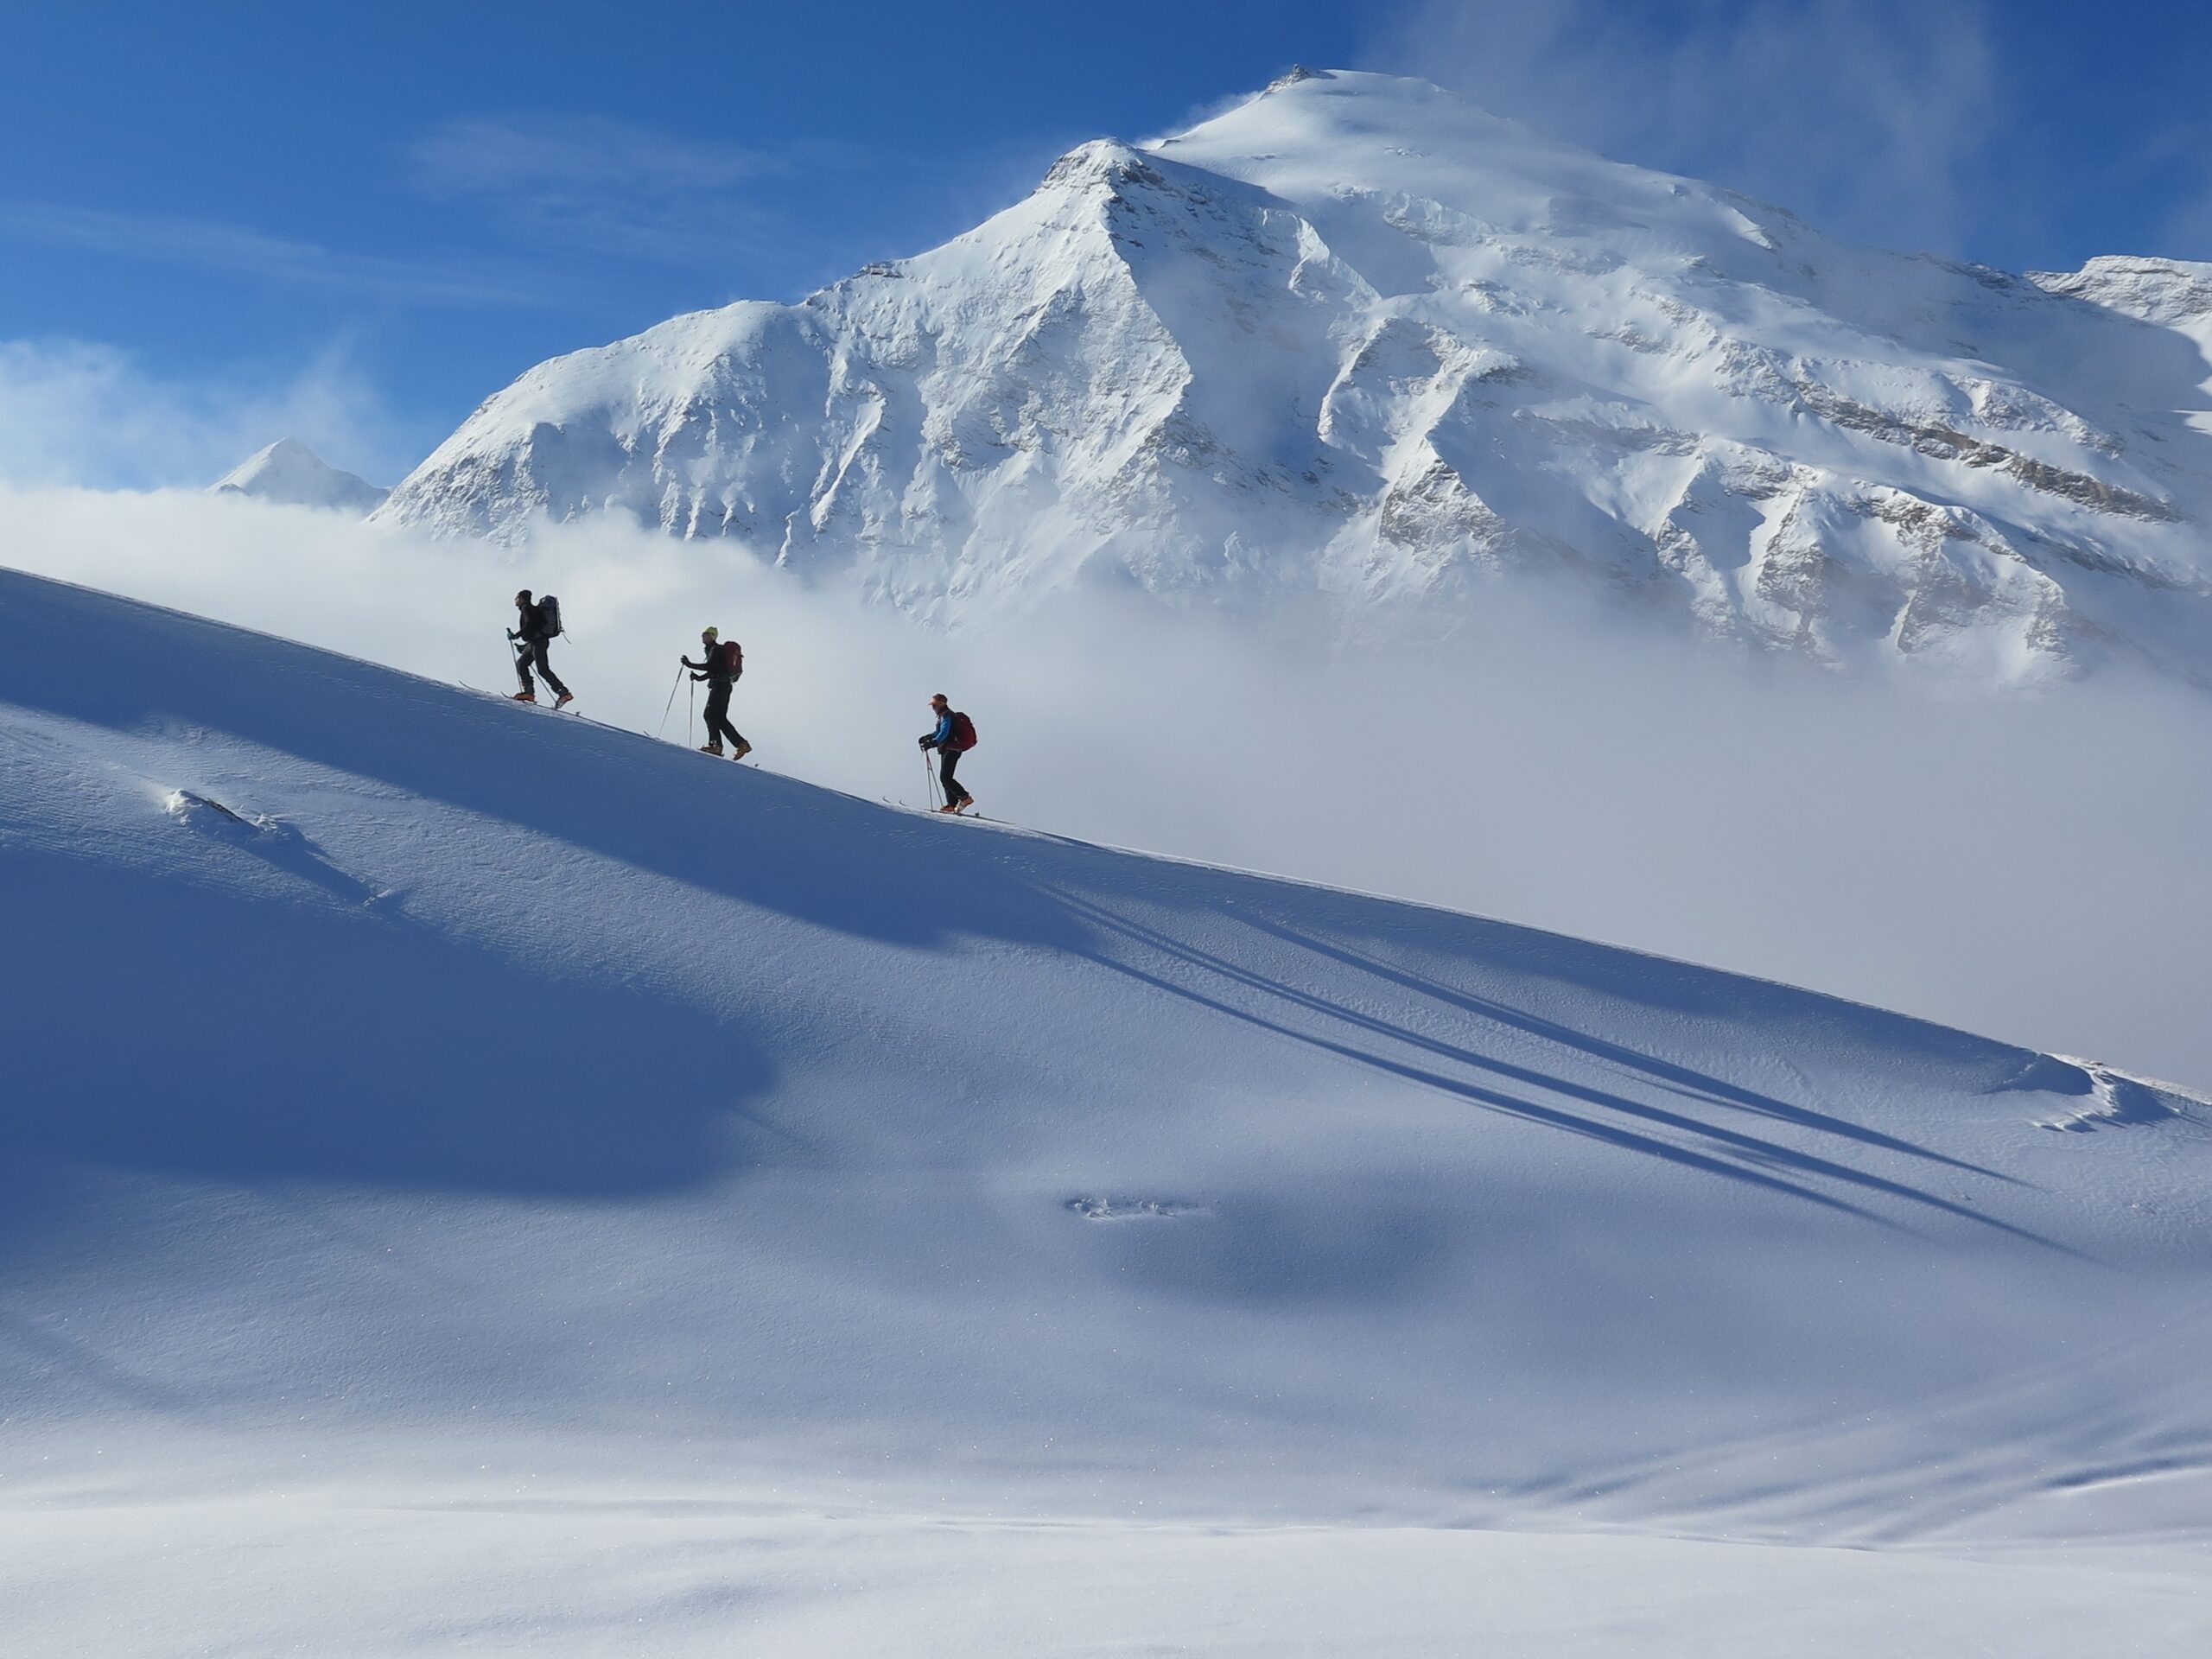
point(479, 1180)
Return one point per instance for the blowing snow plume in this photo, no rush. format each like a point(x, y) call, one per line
point(1358, 342)
point(641, 1192)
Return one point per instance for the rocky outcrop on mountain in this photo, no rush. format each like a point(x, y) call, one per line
point(1358, 339)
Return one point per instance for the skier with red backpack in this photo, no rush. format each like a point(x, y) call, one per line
point(725, 662)
point(953, 736)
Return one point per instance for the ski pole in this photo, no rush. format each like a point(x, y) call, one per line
point(690, 711)
point(662, 729)
point(929, 781)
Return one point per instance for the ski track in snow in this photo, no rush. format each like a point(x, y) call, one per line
point(493, 1184)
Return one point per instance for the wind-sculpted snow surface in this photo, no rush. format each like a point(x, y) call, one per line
point(478, 1180)
point(1357, 338)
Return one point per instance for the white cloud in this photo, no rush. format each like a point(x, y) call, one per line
point(1871, 118)
point(215, 245)
point(2030, 868)
point(77, 412)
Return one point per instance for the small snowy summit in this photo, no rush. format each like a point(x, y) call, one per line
point(1357, 338)
point(290, 475)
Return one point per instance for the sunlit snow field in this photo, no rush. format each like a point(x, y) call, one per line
point(483, 1182)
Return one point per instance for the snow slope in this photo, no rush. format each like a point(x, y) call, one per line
point(1357, 338)
point(481, 1181)
point(290, 475)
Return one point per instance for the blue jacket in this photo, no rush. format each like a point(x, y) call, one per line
point(943, 736)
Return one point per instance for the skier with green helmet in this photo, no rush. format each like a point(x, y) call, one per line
point(725, 662)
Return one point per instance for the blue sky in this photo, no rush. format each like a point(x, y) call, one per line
point(363, 221)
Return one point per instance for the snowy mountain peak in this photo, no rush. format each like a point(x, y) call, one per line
point(2172, 293)
point(290, 473)
point(1101, 161)
point(1357, 338)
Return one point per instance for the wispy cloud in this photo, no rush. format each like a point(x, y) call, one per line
point(2185, 147)
point(1873, 118)
point(2189, 227)
point(586, 181)
point(216, 245)
point(83, 413)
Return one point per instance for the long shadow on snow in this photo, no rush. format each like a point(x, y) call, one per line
point(1676, 1078)
point(1728, 1153)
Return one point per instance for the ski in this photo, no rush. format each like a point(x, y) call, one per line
point(548, 708)
point(751, 759)
point(503, 696)
point(932, 812)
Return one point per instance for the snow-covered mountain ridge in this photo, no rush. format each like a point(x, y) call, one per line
point(1357, 338)
point(290, 475)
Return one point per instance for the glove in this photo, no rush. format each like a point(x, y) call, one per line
point(512, 636)
point(924, 742)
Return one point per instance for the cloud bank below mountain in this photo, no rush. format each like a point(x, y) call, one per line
point(2029, 867)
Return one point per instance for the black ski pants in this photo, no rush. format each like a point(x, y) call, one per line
point(533, 651)
point(946, 760)
point(718, 726)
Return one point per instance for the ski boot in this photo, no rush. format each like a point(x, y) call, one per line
point(564, 699)
point(525, 696)
point(715, 749)
point(742, 749)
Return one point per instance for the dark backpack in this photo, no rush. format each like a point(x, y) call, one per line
point(733, 658)
point(964, 732)
point(551, 608)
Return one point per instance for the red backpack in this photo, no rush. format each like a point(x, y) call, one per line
point(733, 658)
point(964, 732)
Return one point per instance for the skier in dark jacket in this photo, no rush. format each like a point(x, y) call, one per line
point(532, 634)
point(725, 662)
point(953, 736)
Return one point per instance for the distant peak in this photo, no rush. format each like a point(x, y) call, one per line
point(289, 472)
point(2168, 292)
point(1297, 71)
